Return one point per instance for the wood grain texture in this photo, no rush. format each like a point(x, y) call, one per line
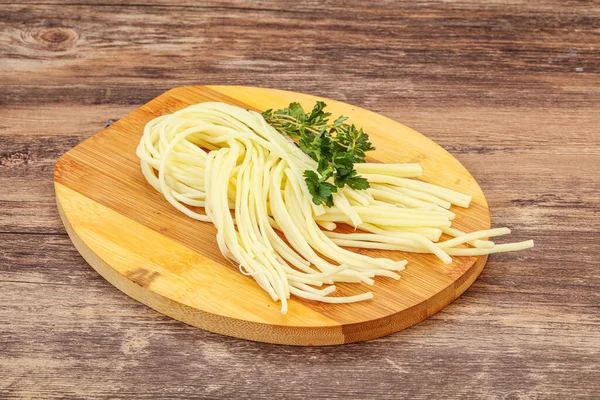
point(509, 87)
point(146, 248)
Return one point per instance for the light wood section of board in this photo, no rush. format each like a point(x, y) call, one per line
point(143, 246)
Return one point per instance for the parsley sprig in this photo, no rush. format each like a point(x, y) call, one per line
point(336, 147)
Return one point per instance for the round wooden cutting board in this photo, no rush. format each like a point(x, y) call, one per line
point(138, 242)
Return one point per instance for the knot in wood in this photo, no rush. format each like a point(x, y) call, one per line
point(52, 39)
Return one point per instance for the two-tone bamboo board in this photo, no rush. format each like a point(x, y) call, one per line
point(142, 245)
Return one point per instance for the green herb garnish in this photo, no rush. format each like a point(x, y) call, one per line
point(336, 147)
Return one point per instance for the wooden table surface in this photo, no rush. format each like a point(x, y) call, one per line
point(511, 88)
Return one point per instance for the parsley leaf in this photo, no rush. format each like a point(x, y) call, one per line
point(336, 147)
point(321, 191)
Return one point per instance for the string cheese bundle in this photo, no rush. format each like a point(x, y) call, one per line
point(248, 178)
